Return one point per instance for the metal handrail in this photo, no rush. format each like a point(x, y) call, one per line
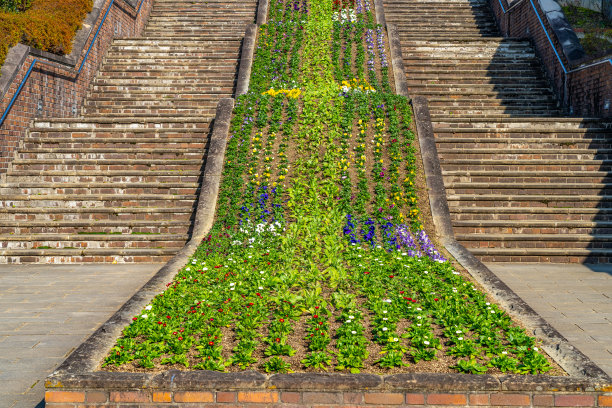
point(27, 75)
point(565, 70)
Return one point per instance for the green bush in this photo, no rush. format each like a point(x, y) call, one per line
point(49, 25)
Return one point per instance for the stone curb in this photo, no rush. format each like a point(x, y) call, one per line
point(246, 59)
point(380, 12)
point(567, 356)
point(86, 358)
point(18, 53)
point(175, 380)
point(262, 12)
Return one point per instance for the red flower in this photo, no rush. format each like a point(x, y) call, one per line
point(211, 343)
point(134, 318)
point(281, 320)
point(316, 316)
point(316, 307)
point(168, 317)
point(392, 276)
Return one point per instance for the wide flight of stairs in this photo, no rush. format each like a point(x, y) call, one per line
point(523, 182)
point(120, 183)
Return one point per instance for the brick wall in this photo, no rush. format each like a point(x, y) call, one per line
point(280, 398)
point(54, 88)
point(585, 92)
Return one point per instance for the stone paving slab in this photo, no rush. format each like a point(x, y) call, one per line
point(46, 311)
point(575, 299)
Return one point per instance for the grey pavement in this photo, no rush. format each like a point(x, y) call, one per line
point(46, 311)
point(575, 299)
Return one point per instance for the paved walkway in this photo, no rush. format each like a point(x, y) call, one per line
point(48, 310)
point(575, 299)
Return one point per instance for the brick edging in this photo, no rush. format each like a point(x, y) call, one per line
point(562, 351)
point(86, 358)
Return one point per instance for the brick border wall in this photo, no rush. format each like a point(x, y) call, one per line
point(182, 388)
point(587, 92)
point(54, 88)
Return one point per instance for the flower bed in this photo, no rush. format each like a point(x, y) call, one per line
point(317, 260)
point(49, 25)
point(594, 30)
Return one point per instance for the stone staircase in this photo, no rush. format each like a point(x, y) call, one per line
point(120, 183)
point(523, 182)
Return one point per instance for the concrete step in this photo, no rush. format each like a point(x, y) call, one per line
point(535, 212)
point(92, 241)
point(132, 111)
point(123, 124)
point(441, 113)
point(495, 123)
point(33, 143)
point(94, 255)
point(98, 200)
point(523, 143)
point(107, 176)
point(531, 227)
point(531, 200)
point(538, 102)
point(46, 188)
point(527, 188)
point(527, 131)
point(51, 165)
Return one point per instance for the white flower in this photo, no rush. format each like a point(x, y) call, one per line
point(418, 324)
point(419, 309)
point(385, 319)
point(426, 343)
point(193, 261)
point(353, 332)
point(487, 303)
point(459, 338)
point(348, 321)
point(384, 311)
point(384, 329)
point(144, 316)
point(535, 349)
point(149, 307)
point(232, 284)
point(504, 352)
point(395, 339)
point(260, 287)
point(187, 269)
point(419, 317)
point(458, 331)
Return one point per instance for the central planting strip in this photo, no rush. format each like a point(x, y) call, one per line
point(317, 260)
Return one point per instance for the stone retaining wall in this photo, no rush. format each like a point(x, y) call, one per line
point(586, 92)
point(55, 89)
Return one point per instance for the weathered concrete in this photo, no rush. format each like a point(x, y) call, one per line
point(48, 310)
